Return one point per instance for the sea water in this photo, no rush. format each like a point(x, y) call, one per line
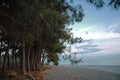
point(108, 68)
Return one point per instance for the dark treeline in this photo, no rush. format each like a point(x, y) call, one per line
point(34, 31)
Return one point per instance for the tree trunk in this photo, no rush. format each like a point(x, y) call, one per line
point(28, 59)
point(4, 63)
point(34, 62)
point(36, 66)
point(5, 59)
point(8, 60)
point(38, 59)
point(0, 60)
point(43, 58)
point(1, 55)
point(16, 64)
point(12, 58)
point(23, 58)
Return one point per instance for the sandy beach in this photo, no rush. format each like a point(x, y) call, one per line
point(76, 73)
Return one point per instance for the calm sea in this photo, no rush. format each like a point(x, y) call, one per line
point(107, 68)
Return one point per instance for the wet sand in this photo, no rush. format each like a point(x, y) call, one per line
point(76, 73)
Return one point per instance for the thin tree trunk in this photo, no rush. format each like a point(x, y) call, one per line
point(13, 58)
point(38, 59)
point(0, 55)
point(16, 64)
point(0, 60)
point(23, 58)
point(43, 58)
point(4, 63)
point(5, 59)
point(28, 60)
point(8, 60)
point(36, 66)
point(34, 62)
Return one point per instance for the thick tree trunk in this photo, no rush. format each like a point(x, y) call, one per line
point(23, 58)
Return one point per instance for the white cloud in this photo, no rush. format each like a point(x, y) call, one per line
point(114, 27)
point(95, 35)
point(110, 46)
point(107, 42)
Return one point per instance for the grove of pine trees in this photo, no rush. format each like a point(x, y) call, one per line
point(32, 31)
point(35, 31)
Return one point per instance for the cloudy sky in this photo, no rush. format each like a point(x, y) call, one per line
point(100, 30)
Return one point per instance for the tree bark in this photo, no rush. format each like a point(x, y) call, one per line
point(5, 59)
point(16, 64)
point(12, 58)
point(34, 62)
point(0, 54)
point(8, 60)
point(0, 60)
point(28, 60)
point(23, 58)
point(43, 58)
